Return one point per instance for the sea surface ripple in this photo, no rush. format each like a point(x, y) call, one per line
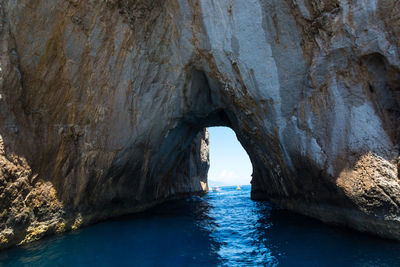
point(223, 228)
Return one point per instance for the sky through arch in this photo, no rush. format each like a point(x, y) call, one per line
point(229, 162)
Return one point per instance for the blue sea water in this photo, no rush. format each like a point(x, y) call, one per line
point(222, 228)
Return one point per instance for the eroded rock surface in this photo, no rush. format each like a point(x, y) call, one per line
point(104, 103)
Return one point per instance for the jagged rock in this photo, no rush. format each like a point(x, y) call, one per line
point(104, 103)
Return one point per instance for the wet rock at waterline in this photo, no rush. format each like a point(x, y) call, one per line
point(104, 103)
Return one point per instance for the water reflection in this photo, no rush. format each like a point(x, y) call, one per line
point(239, 223)
point(222, 228)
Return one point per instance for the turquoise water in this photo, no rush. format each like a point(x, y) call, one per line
point(222, 228)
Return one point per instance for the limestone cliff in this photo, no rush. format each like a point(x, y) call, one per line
point(103, 106)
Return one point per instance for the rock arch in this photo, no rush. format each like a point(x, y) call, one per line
point(104, 105)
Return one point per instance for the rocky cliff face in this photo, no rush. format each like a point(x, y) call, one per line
point(103, 106)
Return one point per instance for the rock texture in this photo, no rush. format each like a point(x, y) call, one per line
point(103, 106)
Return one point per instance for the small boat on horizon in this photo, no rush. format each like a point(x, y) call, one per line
point(238, 188)
point(215, 189)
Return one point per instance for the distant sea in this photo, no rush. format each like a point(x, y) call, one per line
point(223, 228)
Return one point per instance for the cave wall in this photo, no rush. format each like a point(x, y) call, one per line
point(104, 105)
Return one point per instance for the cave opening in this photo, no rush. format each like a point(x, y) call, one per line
point(229, 162)
point(209, 105)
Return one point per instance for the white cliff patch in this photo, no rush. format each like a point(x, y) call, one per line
point(366, 133)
